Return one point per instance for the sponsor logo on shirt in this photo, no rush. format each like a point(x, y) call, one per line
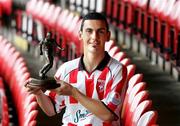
point(81, 115)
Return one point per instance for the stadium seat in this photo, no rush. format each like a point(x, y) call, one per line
point(72, 26)
point(49, 16)
point(130, 71)
point(109, 44)
point(173, 20)
point(37, 9)
point(3, 105)
point(52, 22)
point(30, 6)
point(135, 90)
point(141, 109)
point(114, 50)
point(43, 12)
point(137, 78)
point(31, 117)
point(126, 61)
point(115, 12)
point(119, 56)
point(149, 118)
point(6, 6)
point(138, 98)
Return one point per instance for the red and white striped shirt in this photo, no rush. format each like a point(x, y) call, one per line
point(105, 83)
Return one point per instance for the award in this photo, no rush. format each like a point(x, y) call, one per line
point(43, 81)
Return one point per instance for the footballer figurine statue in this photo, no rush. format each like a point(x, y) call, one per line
point(47, 46)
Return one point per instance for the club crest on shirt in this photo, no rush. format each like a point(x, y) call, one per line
point(101, 84)
point(114, 98)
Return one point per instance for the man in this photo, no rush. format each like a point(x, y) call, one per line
point(48, 47)
point(92, 85)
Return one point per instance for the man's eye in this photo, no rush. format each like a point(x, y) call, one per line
point(89, 31)
point(101, 32)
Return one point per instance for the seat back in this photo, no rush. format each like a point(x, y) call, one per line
point(142, 108)
point(129, 99)
point(149, 118)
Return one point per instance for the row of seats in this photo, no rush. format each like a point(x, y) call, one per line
point(63, 24)
point(155, 22)
point(136, 105)
point(4, 114)
point(83, 7)
point(14, 71)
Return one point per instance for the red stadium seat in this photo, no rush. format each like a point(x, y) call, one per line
point(4, 105)
point(43, 11)
point(49, 15)
point(66, 25)
point(149, 118)
point(115, 12)
point(173, 20)
point(138, 98)
point(53, 20)
point(72, 26)
point(135, 90)
point(6, 6)
point(142, 108)
point(108, 9)
point(137, 78)
point(61, 20)
point(30, 6)
point(109, 44)
point(37, 9)
point(31, 117)
point(119, 56)
point(126, 61)
point(114, 50)
point(130, 71)
point(133, 81)
point(1, 14)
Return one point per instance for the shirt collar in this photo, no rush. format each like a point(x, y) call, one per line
point(101, 65)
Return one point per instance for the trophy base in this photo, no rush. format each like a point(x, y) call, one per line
point(47, 83)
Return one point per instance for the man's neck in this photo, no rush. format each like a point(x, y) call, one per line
point(91, 61)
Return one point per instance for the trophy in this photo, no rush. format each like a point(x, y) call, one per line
point(47, 46)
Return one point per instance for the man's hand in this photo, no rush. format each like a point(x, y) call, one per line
point(64, 89)
point(32, 89)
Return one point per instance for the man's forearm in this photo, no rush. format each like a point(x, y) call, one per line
point(45, 103)
point(94, 106)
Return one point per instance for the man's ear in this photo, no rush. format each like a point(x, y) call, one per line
point(80, 35)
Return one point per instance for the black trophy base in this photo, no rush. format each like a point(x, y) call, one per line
point(46, 83)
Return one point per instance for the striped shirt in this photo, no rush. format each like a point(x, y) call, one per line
point(105, 83)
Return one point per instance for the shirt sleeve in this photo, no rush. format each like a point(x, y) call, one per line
point(113, 99)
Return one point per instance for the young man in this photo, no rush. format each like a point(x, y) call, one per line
point(92, 85)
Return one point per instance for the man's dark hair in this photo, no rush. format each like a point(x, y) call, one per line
point(94, 16)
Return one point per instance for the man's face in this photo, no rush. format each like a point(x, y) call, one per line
point(94, 35)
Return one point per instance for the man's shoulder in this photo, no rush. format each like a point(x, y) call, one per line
point(115, 65)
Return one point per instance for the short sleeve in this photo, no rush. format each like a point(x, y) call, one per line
point(115, 96)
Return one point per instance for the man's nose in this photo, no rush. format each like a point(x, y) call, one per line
point(94, 35)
